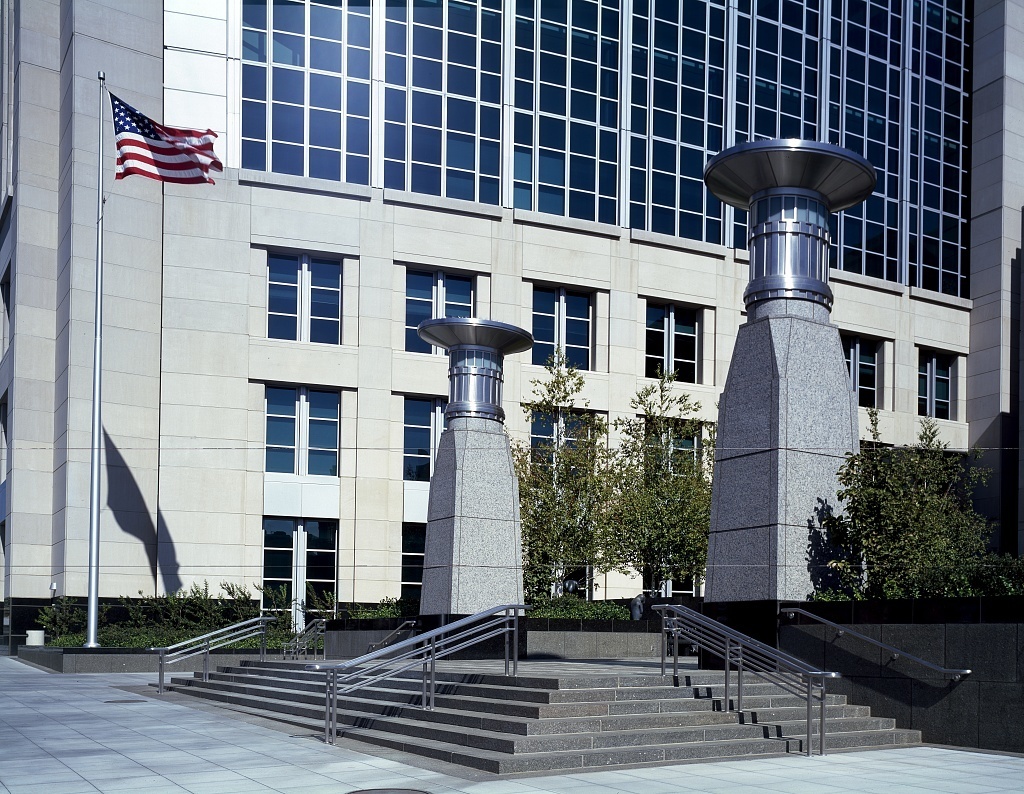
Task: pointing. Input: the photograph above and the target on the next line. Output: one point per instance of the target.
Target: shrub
(575, 608)
(386, 608)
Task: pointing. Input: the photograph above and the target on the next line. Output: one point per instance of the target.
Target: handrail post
(508, 630)
(821, 749)
(727, 706)
(664, 643)
(423, 693)
(334, 706)
(206, 662)
(810, 706)
(515, 642)
(160, 667)
(433, 670)
(739, 679)
(675, 657)
(263, 641)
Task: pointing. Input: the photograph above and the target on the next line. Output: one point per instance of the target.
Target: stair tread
(531, 723)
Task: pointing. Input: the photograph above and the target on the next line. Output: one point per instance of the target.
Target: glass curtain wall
(608, 110)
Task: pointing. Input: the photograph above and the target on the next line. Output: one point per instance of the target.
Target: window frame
(853, 350)
(928, 404)
(305, 289)
(561, 319)
(437, 426)
(668, 358)
(412, 559)
(302, 447)
(299, 550)
(439, 304)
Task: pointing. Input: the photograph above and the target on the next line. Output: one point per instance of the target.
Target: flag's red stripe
(142, 166)
(163, 149)
(193, 180)
(156, 162)
(176, 160)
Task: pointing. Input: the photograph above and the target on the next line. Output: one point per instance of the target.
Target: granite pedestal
(787, 420)
(473, 556)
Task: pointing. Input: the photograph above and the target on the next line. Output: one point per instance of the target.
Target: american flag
(166, 154)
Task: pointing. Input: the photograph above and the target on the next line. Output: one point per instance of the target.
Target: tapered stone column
(788, 416)
(473, 558)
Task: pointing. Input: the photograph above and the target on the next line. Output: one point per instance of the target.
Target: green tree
(564, 482)
(908, 528)
(662, 503)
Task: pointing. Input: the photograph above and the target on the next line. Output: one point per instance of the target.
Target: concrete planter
(122, 660)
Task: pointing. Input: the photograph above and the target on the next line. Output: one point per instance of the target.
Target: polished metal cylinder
(475, 377)
(788, 244)
(476, 355)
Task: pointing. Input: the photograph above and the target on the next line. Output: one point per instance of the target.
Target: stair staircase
(545, 721)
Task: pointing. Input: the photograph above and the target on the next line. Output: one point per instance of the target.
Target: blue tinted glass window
(325, 91)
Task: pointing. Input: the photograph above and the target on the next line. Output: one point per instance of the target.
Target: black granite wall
(985, 635)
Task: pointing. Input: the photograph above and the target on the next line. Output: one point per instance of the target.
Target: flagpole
(97, 371)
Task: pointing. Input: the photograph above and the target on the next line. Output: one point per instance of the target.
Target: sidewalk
(65, 734)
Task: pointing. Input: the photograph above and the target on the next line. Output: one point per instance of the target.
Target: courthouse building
(269, 412)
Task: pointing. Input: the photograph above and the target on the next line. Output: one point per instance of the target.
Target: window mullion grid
(443, 132)
(438, 293)
(932, 383)
(299, 575)
(306, 109)
(670, 338)
(302, 431)
(560, 316)
(305, 299)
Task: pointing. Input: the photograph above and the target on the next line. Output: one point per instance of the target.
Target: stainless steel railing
(310, 637)
(407, 625)
(203, 644)
(422, 650)
(746, 655)
(953, 673)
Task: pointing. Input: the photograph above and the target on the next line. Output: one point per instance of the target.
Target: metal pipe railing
(422, 650)
(407, 625)
(748, 655)
(954, 673)
(310, 636)
(204, 643)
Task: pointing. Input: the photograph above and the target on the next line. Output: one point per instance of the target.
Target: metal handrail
(309, 636)
(423, 650)
(204, 643)
(406, 625)
(748, 655)
(953, 673)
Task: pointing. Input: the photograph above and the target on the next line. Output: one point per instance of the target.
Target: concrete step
(544, 691)
(475, 698)
(525, 736)
(533, 723)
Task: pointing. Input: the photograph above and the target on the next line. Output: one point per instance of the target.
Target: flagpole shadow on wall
(126, 502)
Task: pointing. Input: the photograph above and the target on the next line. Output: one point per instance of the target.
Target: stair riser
(539, 723)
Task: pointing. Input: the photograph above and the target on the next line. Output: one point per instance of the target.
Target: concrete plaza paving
(66, 734)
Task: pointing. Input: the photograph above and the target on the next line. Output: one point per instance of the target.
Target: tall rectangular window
(303, 298)
(671, 343)
(424, 422)
(430, 294)
(442, 98)
(414, 538)
(306, 88)
(935, 384)
(862, 364)
(300, 563)
(302, 430)
(562, 318)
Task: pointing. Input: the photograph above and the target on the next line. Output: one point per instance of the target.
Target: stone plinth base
(787, 420)
(473, 557)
